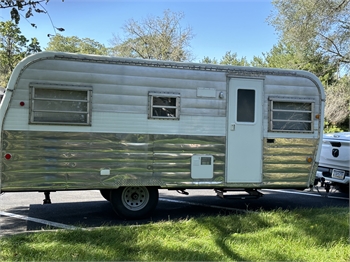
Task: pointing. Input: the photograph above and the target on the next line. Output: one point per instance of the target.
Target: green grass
(297, 235)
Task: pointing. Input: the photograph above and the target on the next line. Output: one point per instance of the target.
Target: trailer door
(244, 134)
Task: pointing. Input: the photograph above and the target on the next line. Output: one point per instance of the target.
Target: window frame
(291, 100)
(34, 86)
(151, 106)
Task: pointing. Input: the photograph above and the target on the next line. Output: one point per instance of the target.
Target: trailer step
(249, 194)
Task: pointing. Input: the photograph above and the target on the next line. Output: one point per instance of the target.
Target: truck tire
(106, 194)
(134, 202)
(343, 188)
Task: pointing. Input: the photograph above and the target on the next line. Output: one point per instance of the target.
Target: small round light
(309, 159)
(8, 156)
(22, 103)
(317, 116)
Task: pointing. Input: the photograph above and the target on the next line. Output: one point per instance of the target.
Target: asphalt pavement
(25, 212)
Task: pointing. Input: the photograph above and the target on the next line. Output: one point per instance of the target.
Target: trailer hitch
(325, 184)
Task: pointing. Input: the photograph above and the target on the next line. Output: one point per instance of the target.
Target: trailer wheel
(134, 202)
(106, 194)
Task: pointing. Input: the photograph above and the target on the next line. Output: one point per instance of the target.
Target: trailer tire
(106, 193)
(134, 202)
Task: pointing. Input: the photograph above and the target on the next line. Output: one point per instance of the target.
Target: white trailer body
(81, 122)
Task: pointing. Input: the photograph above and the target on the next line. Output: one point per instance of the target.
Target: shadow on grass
(123, 243)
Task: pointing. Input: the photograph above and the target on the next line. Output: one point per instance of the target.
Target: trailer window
(246, 105)
(60, 105)
(291, 116)
(164, 106)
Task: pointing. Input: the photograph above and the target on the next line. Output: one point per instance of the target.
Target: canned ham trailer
(129, 127)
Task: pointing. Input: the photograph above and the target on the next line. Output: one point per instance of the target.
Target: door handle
(233, 127)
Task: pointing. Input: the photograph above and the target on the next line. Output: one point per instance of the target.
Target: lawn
(280, 235)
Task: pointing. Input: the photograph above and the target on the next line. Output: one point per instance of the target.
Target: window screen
(164, 105)
(60, 105)
(291, 116)
(245, 105)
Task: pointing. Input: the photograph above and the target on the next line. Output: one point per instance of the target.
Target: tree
(28, 7)
(232, 59)
(259, 61)
(207, 60)
(160, 38)
(319, 31)
(13, 48)
(324, 24)
(337, 108)
(75, 44)
(287, 55)
(228, 59)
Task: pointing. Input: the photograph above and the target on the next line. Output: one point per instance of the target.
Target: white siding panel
(288, 81)
(108, 122)
(295, 91)
(114, 69)
(16, 119)
(92, 78)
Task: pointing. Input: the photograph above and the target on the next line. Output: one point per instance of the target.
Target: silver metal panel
(285, 162)
(125, 89)
(59, 160)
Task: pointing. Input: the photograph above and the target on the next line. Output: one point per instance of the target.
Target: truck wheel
(106, 194)
(343, 188)
(134, 202)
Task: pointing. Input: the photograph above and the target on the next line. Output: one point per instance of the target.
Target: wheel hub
(135, 198)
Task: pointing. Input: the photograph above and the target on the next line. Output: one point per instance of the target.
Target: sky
(219, 26)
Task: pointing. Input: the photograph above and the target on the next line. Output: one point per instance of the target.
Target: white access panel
(202, 166)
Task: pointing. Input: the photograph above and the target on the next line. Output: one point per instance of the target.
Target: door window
(246, 105)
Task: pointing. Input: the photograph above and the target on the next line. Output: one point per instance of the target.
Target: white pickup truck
(335, 161)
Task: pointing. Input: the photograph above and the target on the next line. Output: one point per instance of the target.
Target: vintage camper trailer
(129, 127)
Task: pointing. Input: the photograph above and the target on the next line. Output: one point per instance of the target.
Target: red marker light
(21, 103)
(8, 156)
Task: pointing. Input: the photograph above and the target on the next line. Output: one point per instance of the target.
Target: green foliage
(25, 9)
(259, 62)
(207, 60)
(280, 235)
(314, 36)
(232, 59)
(323, 24)
(13, 48)
(329, 128)
(228, 59)
(75, 44)
(337, 106)
(160, 38)
(288, 56)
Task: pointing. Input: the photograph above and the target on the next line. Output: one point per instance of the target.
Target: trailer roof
(228, 69)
